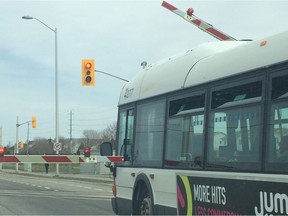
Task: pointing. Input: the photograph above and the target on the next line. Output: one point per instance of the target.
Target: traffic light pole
(17, 139)
(27, 147)
(17, 135)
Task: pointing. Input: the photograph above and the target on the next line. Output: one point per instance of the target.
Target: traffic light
(21, 145)
(87, 152)
(2, 151)
(33, 122)
(88, 72)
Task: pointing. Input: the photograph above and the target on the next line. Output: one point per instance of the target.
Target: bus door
(125, 136)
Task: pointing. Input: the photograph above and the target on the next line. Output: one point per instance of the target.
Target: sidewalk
(107, 178)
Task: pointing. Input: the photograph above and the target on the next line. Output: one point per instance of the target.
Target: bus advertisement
(218, 196)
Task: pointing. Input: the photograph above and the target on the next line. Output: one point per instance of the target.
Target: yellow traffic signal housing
(33, 122)
(21, 145)
(88, 72)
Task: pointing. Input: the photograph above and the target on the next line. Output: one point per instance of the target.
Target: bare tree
(91, 134)
(90, 138)
(40, 146)
(109, 133)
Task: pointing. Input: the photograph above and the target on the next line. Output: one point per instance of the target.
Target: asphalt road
(34, 195)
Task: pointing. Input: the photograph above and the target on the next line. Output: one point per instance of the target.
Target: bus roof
(205, 63)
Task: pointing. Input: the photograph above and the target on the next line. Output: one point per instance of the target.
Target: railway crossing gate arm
(201, 24)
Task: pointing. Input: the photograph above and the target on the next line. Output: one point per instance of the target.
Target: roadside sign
(57, 146)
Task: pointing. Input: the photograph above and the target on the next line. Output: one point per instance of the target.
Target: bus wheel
(146, 206)
(144, 201)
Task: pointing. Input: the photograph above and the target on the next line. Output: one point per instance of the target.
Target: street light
(56, 84)
(56, 78)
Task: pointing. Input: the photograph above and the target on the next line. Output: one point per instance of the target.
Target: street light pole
(17, 142)
(56, 84)
(56, 91)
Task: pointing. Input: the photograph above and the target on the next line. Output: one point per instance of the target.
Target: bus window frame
(239, 80)
(190, 92)
(150, 164)
(125, 108)
(270, 166)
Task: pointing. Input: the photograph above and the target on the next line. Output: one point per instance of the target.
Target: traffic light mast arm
(18, 125)
(27, 122)
(112, 75)
(204, 26)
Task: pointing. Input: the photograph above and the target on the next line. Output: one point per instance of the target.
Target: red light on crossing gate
(190, 11)
(87, 152)
(2, 151)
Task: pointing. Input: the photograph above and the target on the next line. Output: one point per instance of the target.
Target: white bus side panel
(164, 185)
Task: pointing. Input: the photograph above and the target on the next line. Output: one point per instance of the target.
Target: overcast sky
(119, 35)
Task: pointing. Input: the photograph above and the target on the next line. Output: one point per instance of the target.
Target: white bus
(204, 132)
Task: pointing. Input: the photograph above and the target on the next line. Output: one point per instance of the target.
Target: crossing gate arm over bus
(204, 26)
(59, 159)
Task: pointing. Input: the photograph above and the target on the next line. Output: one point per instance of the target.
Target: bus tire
(143, 199)
(145, 203)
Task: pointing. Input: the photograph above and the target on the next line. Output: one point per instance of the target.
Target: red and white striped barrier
(59, 159)
(103, 159)
(198, 22)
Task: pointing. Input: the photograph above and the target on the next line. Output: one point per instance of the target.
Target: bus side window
(279, 130)
(277, 148)
(184, 145)
(234, 126)
(149, 135)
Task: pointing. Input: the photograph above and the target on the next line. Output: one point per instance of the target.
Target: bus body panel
(241, 59)
(146, 83)
(203, 185)
(163, 194)
(125, 182)
(207, 62)
(231, 194)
